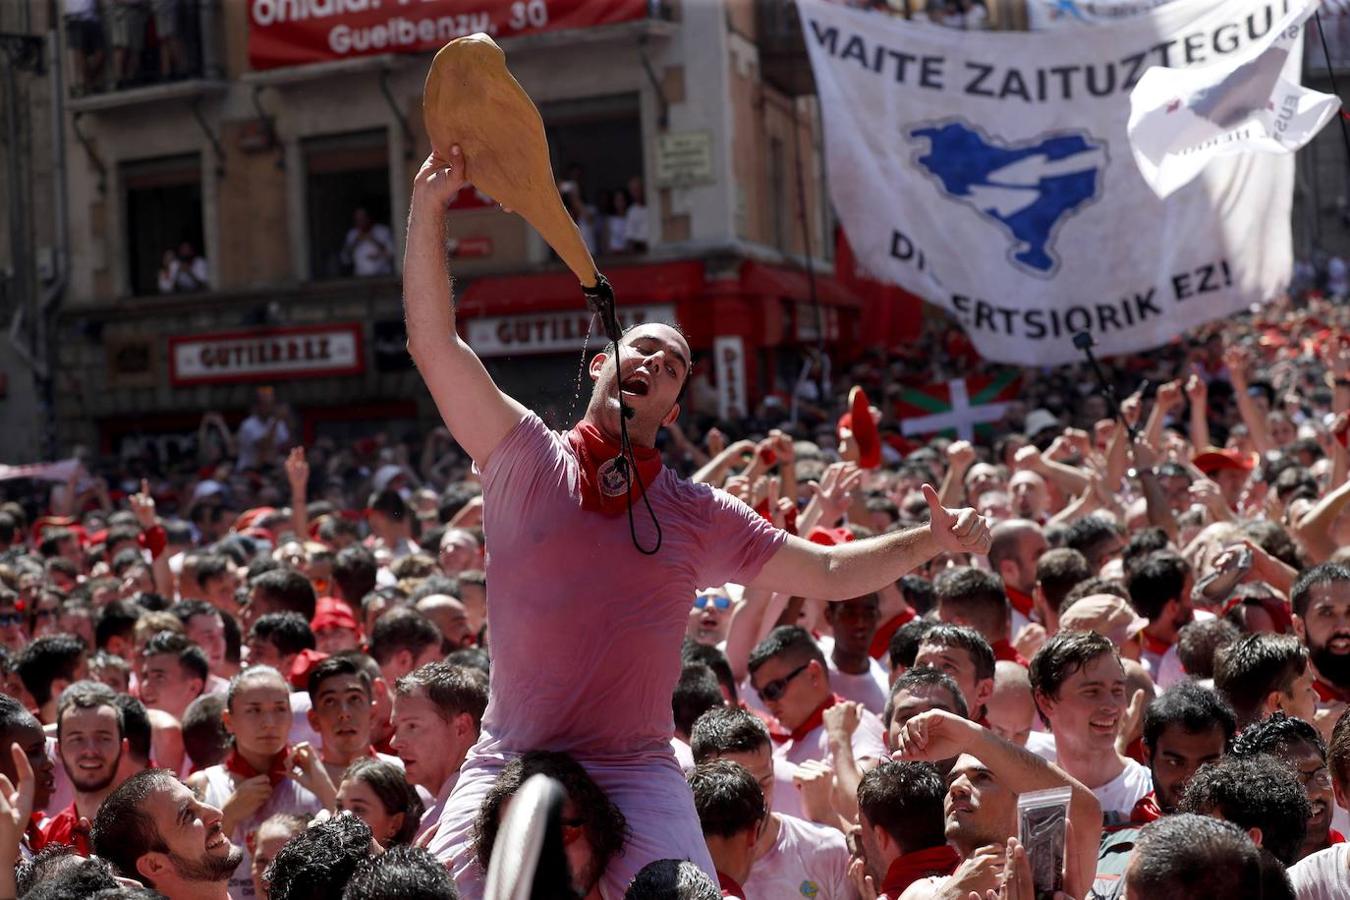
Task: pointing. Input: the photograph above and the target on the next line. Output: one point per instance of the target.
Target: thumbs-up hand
(956, 530)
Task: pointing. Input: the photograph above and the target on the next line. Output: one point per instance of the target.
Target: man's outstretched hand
(956, 530)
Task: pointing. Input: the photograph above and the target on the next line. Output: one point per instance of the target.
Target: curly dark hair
(320, 860)
(605, 825)
(1256, 792)
(1276, 734)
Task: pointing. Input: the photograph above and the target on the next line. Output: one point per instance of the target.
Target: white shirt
(251, 432)
(1121, 793)
(868, 745)
(431, 819)
(870, 689)
(807, 860)
(1325, 875)
(287, 797)
(372, 253)
(635, 223)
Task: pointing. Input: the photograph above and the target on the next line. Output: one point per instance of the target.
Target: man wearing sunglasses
(710, 617)
(789, 672)
(622, 546)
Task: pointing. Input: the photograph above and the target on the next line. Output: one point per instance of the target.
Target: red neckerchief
(1146, 810)
(881, 641)
(276, 771)
(64, 828)
(1156, 646)
(1004, 651)
(909, 868)
(729, 886)
(813, 721)
(33, 835)
(1020, 601)
(1329, 693)
(1335, 837)
(603, 489)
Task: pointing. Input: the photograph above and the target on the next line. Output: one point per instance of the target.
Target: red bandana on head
(237, 765)
(604, 489)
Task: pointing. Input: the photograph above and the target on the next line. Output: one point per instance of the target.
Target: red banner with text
(295, 32)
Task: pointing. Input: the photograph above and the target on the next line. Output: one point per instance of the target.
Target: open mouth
(635, 386)
(217, 841)
(1319, 812)
(1103, 726)
(1340, 644)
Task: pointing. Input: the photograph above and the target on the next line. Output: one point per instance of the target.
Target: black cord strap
(600, 300)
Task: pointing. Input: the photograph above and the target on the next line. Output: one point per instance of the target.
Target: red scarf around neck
(1020, 601)
(911, 867)
(276, 771)
(1151, 644)
(881, 641)
(813, 721)
(604, 489)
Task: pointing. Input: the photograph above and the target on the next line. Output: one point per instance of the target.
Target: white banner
(1182, 119)
(991, 174)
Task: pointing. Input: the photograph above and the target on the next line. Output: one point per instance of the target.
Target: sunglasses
(9, 619)
(778, 687)
(718, 602)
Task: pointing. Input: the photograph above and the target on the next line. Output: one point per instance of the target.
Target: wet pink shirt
(586, 630)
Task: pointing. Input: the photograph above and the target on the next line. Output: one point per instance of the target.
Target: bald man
(1014, 547)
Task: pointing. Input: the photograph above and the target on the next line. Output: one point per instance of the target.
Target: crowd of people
(826, 660)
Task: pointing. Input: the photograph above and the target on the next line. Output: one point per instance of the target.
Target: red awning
(795, 284)
(633, 285)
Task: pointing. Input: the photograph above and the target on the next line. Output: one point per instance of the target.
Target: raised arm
(478, 415)
(937, 735)
(849, 570)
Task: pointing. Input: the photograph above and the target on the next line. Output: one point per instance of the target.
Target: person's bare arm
(1236, 358)
(1165, 402)
(853, 569)
(1314, 528)
(1197, 392)
(297, 473)
(477, 413)
(744, 631)
(715, 469)
(1069, 480)
(1159, 513)
(936, 735)
(960, 457)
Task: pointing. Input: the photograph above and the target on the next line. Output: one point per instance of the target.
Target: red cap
(1212, 461)
(304, 663)
(1280, 614)
(250, 517)
(859, 420)
(829, 536)
(330, 612)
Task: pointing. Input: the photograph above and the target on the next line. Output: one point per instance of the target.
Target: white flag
(1181, 119)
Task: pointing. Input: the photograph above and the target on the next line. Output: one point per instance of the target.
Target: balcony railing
(123, 46)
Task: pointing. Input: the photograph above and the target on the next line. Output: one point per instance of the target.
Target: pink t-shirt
(586, 630)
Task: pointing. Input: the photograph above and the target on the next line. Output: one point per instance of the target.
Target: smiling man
(1184, 728)
(90, 742)
(1300, 747)
(1321, 601)
(155, 830)
(622, 543)
(1079, 686)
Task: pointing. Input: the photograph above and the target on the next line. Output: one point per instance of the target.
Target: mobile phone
(1043, 821)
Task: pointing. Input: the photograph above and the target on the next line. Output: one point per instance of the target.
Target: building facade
(237, 184)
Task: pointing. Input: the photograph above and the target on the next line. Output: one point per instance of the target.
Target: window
(347, 204)
(596, 145)
(164, 225)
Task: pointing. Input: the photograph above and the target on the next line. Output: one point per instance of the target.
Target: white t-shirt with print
(807, 860)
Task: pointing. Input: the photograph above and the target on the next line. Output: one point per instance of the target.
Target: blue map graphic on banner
(1028, 188)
